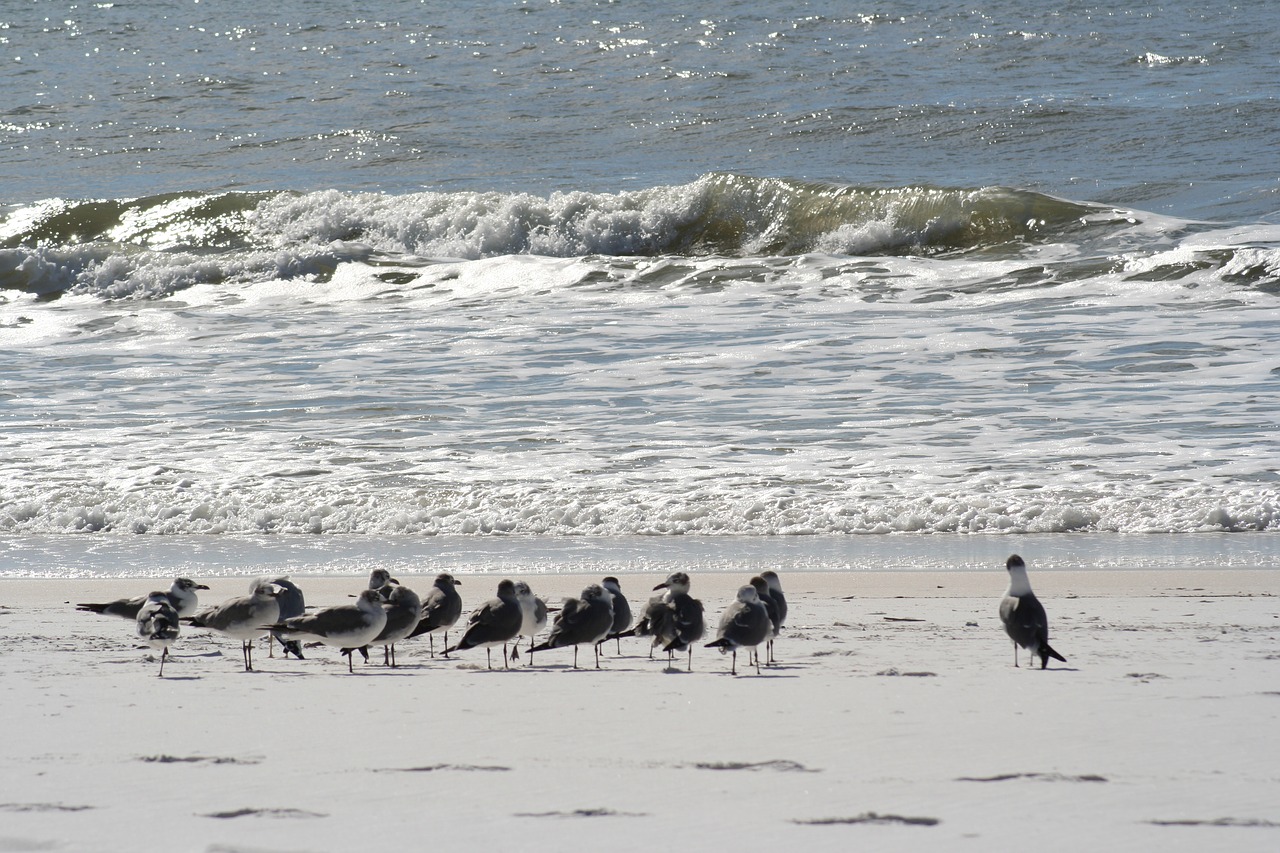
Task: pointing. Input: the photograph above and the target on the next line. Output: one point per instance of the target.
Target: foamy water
(706, 327)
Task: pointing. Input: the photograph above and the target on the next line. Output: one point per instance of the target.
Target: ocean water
(822, 283)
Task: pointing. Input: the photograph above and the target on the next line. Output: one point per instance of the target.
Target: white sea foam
(625, 395)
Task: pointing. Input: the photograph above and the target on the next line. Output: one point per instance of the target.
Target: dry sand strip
(895, 720)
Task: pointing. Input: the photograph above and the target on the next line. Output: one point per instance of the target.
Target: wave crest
(158, 245)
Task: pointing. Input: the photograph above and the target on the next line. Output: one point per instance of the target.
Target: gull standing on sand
(771, 607)
(621, 611)
(653, 620)
(685, 626)
(182, 595)
(1023, 616)
(441, 609)
(745, 623)
(346, 627)
(404, 611)
(586, 619)
(495, 623)
(533, 612)
(244, 618)
(674, 619)
(779, 600)
(292, 603)
(157, 624)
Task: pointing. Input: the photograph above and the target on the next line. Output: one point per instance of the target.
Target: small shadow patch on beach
(893, 670)
(432, 768)
(41, 807)
(582, 813)
(1247, 822)
(273, 813)
(869, 818)
(196, 759)
(1042, 777)
(783, 766)
(1144, 677)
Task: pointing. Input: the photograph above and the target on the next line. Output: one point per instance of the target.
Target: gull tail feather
(1046, 652)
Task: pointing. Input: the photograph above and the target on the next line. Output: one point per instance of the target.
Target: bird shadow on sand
(436, 768)
(581, 813)
(42, 807)
(269, 813)
(1042, 777)
(777, 765)
(869, 818)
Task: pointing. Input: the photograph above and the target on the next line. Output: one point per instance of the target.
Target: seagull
(496, 622)
(1023, 616)
(780, 601)
(440, 609)
(775, 590)
(346, 627)
(586, 619)
(244, 618)
(674, 619)
(379, 578)
(621, 610)
(685, 625)
(404, 611)
(533, 612)
(292, 603)
(655, 611)
(771, 607)
(182, 595)
(745, 623)
(157, 624)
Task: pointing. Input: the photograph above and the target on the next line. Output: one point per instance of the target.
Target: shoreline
(477, 587)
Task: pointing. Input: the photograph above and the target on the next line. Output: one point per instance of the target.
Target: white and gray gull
(1024, 617)
(621, 610)
(346, 627)
(745, 624)
(674, 619)
(404, 612)
(244, 618)
(533, 612)
(182, 595)
(292, 603)
(157, 624)
(441, 609)
(494, 623)
(583, 620)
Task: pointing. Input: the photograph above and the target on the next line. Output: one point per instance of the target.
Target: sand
(894, 721)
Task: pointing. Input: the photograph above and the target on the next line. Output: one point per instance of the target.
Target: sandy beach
(895, 720)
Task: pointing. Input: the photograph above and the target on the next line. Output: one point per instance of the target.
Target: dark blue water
(1168, 108)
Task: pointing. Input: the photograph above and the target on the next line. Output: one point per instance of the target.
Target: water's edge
(229, 556)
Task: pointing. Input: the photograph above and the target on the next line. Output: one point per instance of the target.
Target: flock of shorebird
(387, 613)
